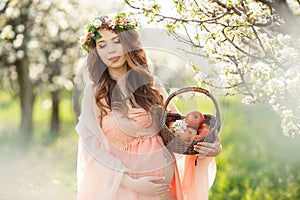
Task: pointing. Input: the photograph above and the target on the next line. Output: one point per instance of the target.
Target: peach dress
(144, 155)
(107, 150)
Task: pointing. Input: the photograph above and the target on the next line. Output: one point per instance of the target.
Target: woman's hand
(209, 149)
(148, 185)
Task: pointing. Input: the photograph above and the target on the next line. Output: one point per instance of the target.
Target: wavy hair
(139, 80)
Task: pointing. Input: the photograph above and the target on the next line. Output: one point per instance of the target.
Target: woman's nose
(111, 48)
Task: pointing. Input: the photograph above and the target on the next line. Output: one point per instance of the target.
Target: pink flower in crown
(97, 23)
(122, 21)
(90, 34)
(82, 40)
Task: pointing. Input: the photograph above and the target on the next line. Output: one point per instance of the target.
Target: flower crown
(119, 22)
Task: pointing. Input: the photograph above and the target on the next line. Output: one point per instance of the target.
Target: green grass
(9, 118)
(257, 161)
(47, 170)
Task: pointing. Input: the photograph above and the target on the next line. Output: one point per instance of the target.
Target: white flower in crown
(119, 22)
(97, 23)
(111, 23)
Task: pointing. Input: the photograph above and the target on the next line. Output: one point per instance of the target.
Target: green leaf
(97, 36)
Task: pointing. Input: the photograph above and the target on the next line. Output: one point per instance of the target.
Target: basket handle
(195, 89)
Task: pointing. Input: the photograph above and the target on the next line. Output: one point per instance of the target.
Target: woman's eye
(117, 41)
(101, 46)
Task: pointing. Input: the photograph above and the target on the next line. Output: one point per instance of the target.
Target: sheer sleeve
(98, 172)
(160, 87)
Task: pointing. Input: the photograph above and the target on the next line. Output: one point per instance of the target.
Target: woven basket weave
(175, 143)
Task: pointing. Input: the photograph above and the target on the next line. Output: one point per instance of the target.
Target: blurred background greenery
(39, 60)
(257, 161)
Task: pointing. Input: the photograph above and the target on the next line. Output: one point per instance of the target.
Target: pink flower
(82, 40)
(122, 21)
(90, 34)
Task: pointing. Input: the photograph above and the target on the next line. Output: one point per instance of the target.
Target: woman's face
(110, 50)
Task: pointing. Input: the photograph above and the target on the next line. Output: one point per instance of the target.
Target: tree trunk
(26, 102)
(55, 124)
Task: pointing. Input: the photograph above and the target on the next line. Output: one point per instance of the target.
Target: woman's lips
(114, 58)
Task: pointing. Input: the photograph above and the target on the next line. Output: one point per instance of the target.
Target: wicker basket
(175, 143)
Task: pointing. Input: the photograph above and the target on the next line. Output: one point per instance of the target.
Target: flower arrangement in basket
(181, 133)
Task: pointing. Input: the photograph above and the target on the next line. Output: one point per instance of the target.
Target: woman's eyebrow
(99, 41)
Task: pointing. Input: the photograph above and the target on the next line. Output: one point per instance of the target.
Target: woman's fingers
(158, 184)
(206, 144)
(204, 151)
(161, 188)
(209, 149)
(154, 178)
(151, 185)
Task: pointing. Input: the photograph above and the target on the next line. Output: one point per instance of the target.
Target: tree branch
(163, 17)
(238, 48)
(233, 59)
(286, 13)
(257, 37)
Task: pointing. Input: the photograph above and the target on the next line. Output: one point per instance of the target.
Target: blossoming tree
(252, 46)
(37, 53)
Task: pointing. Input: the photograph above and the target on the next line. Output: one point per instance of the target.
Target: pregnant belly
(168, 173)
(164, 169)
(168, 170)
(154, 164)
(147, 156)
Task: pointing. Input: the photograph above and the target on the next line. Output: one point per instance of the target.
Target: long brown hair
(139, 80)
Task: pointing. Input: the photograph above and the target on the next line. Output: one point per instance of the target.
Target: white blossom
(20, 54)
(179, 125)
(247, 100)
(287, 113)
(274, 85)
(283, 39)
(199, 77)
(7, 32)
(97, 23)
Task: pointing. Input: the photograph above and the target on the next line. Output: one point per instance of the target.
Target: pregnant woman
(120, 153)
